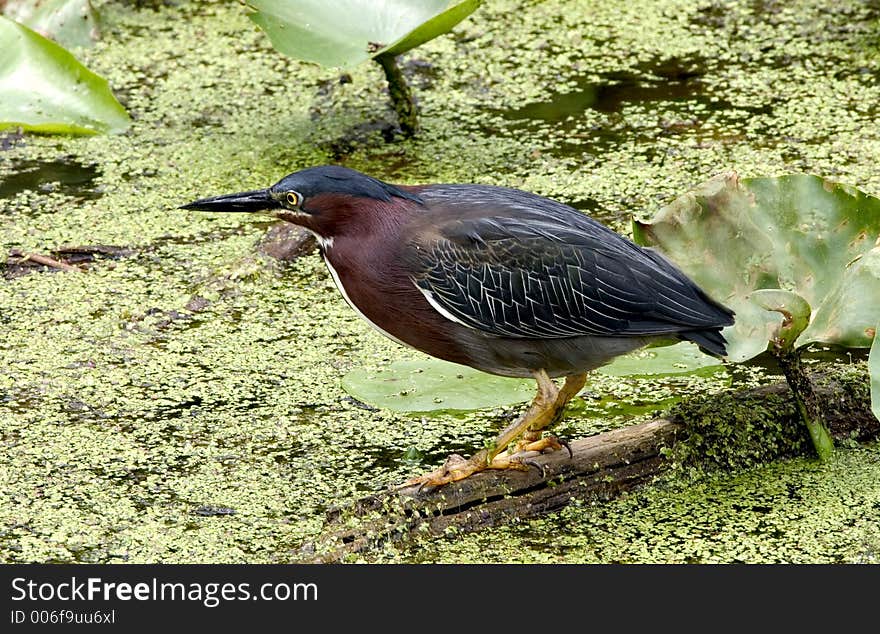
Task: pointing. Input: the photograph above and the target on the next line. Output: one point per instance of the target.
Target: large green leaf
(431, 384)
(68, 22)
(874, 370)
(681, 358)
(848, 313)
(799, 233)
(347, 32)
(45, 89)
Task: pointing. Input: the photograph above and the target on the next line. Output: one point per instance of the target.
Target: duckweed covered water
(193, 375)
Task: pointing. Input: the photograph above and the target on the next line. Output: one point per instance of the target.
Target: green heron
(502, 280)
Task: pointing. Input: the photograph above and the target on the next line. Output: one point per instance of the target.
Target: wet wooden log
(600, 467)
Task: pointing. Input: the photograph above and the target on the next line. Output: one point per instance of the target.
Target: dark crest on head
(334, 179)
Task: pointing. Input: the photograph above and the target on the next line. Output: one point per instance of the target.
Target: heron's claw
(564, 442)
(537, 465)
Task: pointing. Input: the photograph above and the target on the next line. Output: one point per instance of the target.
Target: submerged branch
(809, 405)
(401, 95)
(44, 260)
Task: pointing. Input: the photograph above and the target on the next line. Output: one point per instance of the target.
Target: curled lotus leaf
(345, 33)
(797, 233)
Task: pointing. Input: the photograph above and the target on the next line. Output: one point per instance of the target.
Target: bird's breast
(340, 285)
(383, 294)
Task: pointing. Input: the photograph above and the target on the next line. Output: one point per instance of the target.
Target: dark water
(66, 176)
(674, 89)
(668, 80)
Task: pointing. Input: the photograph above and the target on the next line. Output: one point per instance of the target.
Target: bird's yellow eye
(292, 199)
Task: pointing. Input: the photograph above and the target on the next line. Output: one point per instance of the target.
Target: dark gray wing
(515, 264)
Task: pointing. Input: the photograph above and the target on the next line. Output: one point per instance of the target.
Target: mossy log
(730, 430)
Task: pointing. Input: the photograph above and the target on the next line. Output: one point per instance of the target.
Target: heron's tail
(710, 340)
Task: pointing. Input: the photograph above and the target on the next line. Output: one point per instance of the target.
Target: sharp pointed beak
(256, 200)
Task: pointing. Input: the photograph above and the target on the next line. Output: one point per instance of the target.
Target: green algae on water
(125, 406)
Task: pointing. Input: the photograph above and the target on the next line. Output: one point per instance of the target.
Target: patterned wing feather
(517, 265)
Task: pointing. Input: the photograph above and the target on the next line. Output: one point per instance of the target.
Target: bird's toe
(543, 445)
(457, 468)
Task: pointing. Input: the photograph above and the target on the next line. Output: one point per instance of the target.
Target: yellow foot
(541, 445)
(457, 468)
(546, 407)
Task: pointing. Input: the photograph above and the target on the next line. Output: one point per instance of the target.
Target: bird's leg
(531, 439)
(539, 414)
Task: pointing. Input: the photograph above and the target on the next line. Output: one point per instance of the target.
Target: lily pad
(681, 358)
(799, 233)
(432, 384)
(847, 315)
(347, 32)
(45, 89)
(68, 22)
